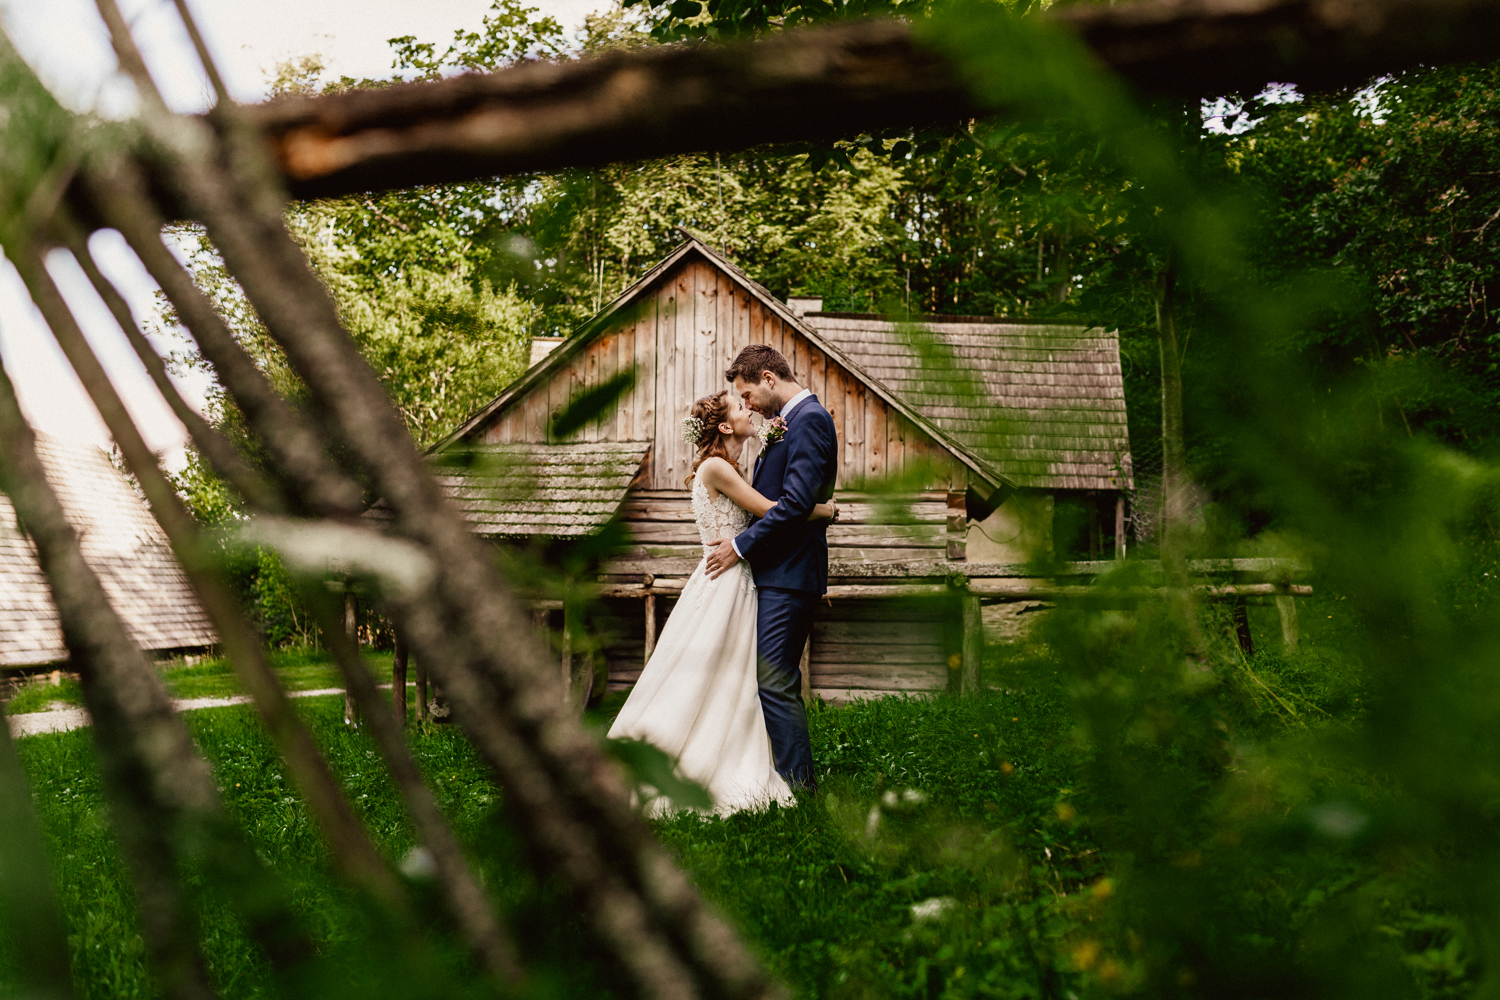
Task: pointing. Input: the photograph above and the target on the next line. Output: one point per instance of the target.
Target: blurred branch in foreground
(820, 84)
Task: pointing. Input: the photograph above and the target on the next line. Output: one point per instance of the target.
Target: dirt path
(63, 719)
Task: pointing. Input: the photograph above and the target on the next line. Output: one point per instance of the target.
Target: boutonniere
(772, 430)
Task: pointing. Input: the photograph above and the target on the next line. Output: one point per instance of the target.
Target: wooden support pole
(1120, 526)
(1096, 526)
(973, 645)
(806, 668)
(398, 680)
(567, 655)
(650, 603)
(424, 710)
(1286, 607)
(351, 629)
(1241, 615)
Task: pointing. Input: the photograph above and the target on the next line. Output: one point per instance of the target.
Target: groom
(787, 553)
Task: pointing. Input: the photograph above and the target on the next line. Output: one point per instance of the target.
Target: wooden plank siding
(688, 329)
(661, 526)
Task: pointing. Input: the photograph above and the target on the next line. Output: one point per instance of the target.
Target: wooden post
(398, 681)
(1096, 528)
(806, 668)
(650, 627)
(567, 655)
(973, 645)
(1120, 526)
(351, 628)
(1241, 615)
(424, 713)
(1286, 607)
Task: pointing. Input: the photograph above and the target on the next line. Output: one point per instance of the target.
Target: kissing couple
(722, 693)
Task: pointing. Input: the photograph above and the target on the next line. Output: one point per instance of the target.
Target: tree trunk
(1062, 269)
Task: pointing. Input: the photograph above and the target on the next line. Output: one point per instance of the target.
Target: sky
(66, 43)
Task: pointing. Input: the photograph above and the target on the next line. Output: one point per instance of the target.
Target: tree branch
(822, 84)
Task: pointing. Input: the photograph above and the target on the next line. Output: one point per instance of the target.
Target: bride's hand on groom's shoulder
(720, 558)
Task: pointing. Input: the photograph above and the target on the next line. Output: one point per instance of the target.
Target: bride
(698, 700)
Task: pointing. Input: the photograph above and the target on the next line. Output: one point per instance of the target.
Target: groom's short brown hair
(757, 358)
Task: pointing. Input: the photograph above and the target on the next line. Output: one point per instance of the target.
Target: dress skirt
(698, 700)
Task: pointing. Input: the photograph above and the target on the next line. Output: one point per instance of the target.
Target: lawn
(927, 857)
(299, 669)
(954, 850)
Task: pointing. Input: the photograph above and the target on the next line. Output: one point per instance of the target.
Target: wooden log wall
(864, 647)
(681, 336)
(661, 526)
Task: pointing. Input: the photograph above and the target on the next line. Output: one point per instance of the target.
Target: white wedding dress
(698, 699)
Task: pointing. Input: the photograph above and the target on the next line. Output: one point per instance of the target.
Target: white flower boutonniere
(771, 431)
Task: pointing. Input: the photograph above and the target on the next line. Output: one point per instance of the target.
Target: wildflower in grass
(932, 909)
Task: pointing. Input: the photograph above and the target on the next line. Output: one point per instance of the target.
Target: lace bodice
(717, 519)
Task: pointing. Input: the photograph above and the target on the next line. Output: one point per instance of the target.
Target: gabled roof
(123, 545)
(550, 490)
(621, 306)
(1050, 399)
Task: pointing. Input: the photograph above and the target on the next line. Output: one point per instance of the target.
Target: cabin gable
(681, 331)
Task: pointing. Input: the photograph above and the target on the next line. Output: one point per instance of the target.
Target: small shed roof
(1050, 406)
(552, 490)
(123, 545)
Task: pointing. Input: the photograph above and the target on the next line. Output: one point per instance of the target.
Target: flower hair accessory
(692, 429)
(772, 430)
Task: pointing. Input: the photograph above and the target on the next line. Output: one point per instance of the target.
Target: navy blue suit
(788, 555)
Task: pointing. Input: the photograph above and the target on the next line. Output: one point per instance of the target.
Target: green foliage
(442, 341)
(509, 34)
(41, 695)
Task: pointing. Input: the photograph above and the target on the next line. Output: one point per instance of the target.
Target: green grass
(823, 891)
(299, 669)
(41, 695)
(978, 812)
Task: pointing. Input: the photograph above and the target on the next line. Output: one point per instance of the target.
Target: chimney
(542, 346)
(801, 306)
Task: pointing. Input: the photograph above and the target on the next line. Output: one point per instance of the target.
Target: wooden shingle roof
(123, 545)
(523, 490)
(1045, 404)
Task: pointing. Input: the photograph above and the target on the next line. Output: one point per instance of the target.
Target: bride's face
(737, 419)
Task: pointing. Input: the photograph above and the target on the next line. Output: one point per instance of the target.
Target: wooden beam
(806, 668)
(424, 707)
(567, 655)
(1286, 608)
(650, 613)
(617, 106)
(1241, 617)
(824, 83)
(1119, 526)
(973, 653)
(351, 629)
(398, 680)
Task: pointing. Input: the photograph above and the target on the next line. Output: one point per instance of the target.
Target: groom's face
(759, 396)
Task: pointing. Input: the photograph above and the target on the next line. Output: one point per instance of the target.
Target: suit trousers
(782, 625)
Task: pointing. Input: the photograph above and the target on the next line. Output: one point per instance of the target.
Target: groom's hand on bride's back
(720, 558)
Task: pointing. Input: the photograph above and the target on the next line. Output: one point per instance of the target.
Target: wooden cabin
(988, 425)
(123, 545)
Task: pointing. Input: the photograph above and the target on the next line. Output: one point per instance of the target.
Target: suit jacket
(784, 548)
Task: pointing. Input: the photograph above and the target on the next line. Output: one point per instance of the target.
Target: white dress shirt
(786, 412)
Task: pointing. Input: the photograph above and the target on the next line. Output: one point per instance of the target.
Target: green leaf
(685, 9)
(591, 405)
(649, 766)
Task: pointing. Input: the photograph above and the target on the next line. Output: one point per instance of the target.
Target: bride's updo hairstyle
(709, 412)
